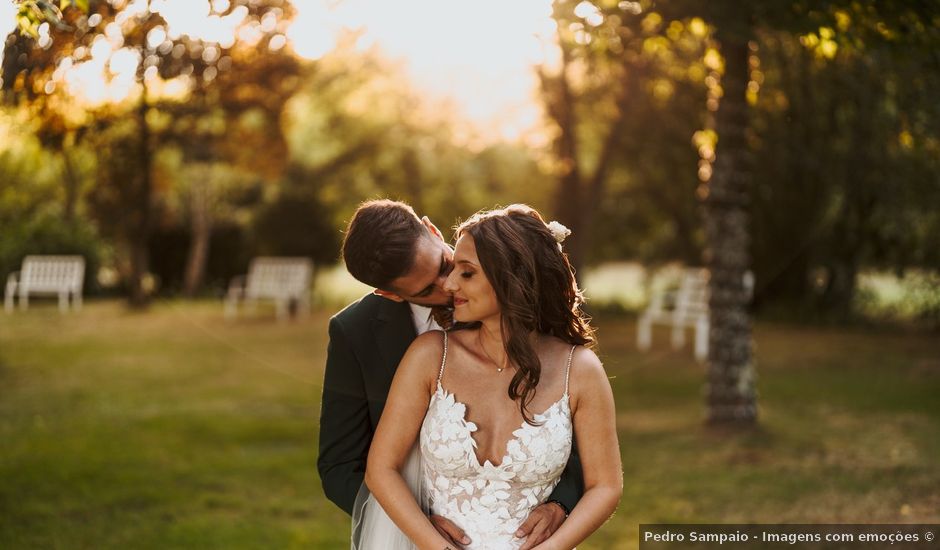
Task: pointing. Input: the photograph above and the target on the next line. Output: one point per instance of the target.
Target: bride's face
(474, 297)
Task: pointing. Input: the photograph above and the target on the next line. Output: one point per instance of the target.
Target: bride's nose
(450, 284)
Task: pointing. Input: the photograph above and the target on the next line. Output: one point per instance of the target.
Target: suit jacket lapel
(394, 331)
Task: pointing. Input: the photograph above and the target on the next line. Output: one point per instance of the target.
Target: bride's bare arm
(395, 436)
(595, 430)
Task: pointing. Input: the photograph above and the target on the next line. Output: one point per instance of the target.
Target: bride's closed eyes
(466, 274)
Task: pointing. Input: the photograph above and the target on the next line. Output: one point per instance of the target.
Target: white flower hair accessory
(559, 231)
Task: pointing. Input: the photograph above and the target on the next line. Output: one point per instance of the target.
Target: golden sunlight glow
(313, 31)
(109, 75)
(194, 18)
(479, 55)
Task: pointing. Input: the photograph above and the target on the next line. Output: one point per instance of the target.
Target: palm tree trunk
(730, 393)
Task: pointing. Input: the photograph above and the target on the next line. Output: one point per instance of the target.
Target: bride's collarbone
(465, 349)
(486, 396)
(465, 366)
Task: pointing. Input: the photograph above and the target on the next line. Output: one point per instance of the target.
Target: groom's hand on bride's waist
(449, 531)
(542, 522)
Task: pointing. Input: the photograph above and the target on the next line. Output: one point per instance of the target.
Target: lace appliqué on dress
(490, 501)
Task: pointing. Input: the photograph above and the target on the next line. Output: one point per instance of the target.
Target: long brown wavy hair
(535, 287)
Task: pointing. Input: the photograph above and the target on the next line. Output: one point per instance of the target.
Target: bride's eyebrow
(468, 262)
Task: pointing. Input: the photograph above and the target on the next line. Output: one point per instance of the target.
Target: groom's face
(424, 282)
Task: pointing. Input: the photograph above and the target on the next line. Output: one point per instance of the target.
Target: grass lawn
(174, 429)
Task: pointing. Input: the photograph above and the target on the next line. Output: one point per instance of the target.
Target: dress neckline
(444, 394)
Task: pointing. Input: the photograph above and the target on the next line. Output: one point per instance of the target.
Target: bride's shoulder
(424, 355)
(462, 337)
(427, 344)
(582, 356)
(587, 373)
(431, 344)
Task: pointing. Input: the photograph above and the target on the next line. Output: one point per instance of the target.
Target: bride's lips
(459, 301)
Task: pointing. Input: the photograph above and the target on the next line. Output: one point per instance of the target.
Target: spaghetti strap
(567, 370)
(440, 373)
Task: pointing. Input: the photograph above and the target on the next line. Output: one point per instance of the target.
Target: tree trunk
(730, 392)
(851, 231)
(198, 256)
(71, 186)
(140, 236)
(568, 199)
(578, 196)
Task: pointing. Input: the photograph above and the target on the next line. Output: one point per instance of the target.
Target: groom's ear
(432, 228)
(388, 295)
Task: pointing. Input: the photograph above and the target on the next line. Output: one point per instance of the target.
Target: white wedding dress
(372, 529)
(488, 501)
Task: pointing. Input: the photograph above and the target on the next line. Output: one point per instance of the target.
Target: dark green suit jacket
(367, 341)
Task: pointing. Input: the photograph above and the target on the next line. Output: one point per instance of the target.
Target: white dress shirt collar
(421, 316)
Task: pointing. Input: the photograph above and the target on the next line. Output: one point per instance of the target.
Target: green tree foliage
(296, 224)
(847, 131)
(27, 179)
(357, 130)
(49, 234)
(28, 65)
(825, 97)
(842, 134)
(226, 107)
(251, 131)
(626, 100)
(840, 141)
(31, 14)
(30, 217)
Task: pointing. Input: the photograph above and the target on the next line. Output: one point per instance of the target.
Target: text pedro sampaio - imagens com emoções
(791, 538)
(829, 536)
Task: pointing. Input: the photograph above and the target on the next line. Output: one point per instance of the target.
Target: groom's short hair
(380, 242)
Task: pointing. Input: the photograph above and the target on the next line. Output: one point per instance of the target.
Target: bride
(480, 420)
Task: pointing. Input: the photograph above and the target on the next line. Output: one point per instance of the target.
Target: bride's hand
(449, 531)
(542, 522)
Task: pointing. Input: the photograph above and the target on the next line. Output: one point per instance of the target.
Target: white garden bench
(682, 308)
(47, 275)
(283, 280)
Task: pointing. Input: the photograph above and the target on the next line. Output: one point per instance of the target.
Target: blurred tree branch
(31, 14)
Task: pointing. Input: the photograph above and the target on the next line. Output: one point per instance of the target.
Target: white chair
(283, 280)
(60, 276)
(682, 308)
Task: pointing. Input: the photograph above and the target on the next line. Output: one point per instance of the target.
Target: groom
(406, 259)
